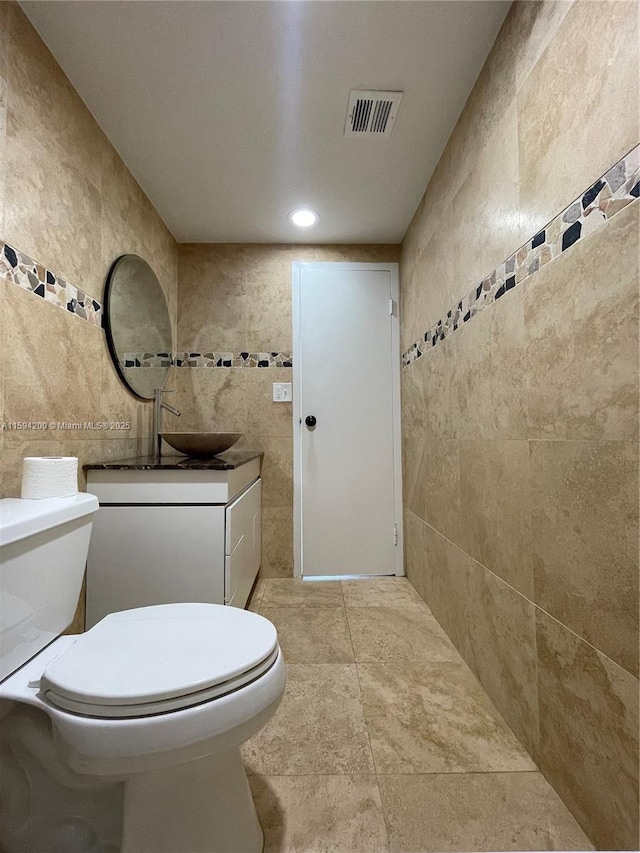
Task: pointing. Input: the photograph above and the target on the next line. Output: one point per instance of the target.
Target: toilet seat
(158, 659)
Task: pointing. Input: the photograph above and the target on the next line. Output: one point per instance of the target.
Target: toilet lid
(160, 658)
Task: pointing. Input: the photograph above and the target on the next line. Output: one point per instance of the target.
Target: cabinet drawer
(240, 516)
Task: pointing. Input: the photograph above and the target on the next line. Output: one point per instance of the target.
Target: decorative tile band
(28, 274)
(614, 191)
(207, 359)
(146, 359)
(20, 269)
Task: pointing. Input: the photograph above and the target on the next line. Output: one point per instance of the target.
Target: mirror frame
(107, 323)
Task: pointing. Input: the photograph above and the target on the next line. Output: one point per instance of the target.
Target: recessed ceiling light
(303, 217)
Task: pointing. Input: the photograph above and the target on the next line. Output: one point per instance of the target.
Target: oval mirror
(138, 326)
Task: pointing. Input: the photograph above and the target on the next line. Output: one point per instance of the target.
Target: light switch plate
(282, 392)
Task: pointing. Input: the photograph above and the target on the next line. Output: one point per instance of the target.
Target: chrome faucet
(158, 405)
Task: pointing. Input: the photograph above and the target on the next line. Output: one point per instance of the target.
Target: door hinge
(391, 307)
(395, 534)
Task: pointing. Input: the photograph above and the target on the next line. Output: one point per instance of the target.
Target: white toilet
(125, 738)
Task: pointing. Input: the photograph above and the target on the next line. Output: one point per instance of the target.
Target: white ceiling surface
(230, 114)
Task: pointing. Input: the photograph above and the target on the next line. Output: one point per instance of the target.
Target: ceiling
(231, 114)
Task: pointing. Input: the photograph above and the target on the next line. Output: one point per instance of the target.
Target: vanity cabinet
(173, 534)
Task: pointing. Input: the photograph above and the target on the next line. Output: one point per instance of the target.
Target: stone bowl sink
(201, 444)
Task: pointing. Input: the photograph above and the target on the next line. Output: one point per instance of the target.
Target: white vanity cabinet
(173, 534)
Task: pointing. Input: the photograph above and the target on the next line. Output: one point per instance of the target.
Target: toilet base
(203, 806)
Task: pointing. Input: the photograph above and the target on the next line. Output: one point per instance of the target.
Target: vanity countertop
(227, 461)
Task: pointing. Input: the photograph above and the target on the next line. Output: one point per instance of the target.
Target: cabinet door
(143, 555)
(243, 545)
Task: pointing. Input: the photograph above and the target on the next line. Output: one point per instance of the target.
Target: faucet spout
(171, 409)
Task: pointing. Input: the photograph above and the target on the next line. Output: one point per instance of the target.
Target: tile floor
(384, 740)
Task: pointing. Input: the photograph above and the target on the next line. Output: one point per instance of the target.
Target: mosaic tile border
(23, 271)
(28, 274)
(611, 193)
(207, 359)
(617, 188)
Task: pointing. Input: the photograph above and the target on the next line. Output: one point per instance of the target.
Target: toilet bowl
(126, 737)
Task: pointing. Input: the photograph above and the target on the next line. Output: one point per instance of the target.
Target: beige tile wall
(527, 425)
(68, 201)
(520, 431)
(237, 298)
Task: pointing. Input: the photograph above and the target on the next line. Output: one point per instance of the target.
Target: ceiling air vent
(371, 113)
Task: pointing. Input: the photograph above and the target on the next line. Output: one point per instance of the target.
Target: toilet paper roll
(49, 477)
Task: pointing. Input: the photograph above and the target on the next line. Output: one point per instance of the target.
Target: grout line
(313, 775)
(528, 600)
(408, 775)
(387, 822)
(366, 723)
(364, 715)
(264, 586)
(399, 773)
(463, 772)
(353, 650)
(552, 439)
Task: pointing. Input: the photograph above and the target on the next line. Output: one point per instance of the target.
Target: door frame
(392, 268)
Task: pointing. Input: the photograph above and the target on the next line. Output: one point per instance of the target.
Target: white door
(347, 488)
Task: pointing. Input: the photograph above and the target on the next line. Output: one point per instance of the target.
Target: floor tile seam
(406, 605)
(386, 820)
(418, 662)
(366, 724)
(381, 775)
(315, 775)
(355, 655)
(260, 586)
(368, 774)
(258, 602)
(353, 652)
(431, 773)
(532, 603)
(556, 439)
(325, 664)
(304, 606)
(458, 662)
(393, 770)
(265, 586)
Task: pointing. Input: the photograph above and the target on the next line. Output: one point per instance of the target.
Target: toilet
(125, 738)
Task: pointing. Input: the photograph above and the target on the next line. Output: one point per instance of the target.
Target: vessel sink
(201, 444)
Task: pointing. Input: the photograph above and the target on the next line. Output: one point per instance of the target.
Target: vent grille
(371, 113)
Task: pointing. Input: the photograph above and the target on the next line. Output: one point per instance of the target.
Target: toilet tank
(43, 552)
